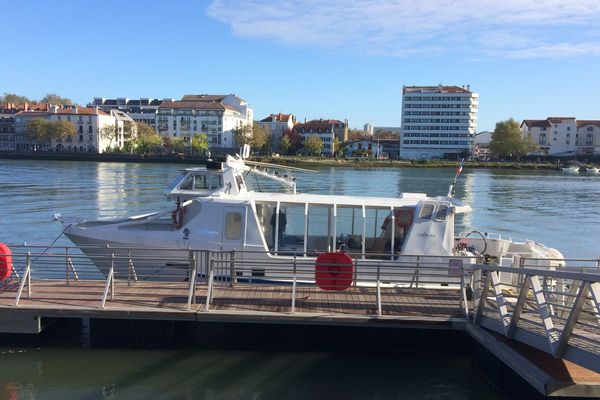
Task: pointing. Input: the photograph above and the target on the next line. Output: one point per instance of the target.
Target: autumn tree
(109, 132)
(261, 139)
(290, 141)
(313, 145)
(54, 99)
(36, 129)
(60, 130)
(507, 140)
(178, 144)
(14, 98)
(146, 139)
(199, 143)
(242, 134)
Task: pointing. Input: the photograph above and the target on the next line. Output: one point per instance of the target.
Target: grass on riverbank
(368, 163)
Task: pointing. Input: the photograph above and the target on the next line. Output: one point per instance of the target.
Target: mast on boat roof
(452, 189)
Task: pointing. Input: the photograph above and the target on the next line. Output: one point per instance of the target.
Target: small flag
(460, 167)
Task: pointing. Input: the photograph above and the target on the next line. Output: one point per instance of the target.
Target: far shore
(298, 161)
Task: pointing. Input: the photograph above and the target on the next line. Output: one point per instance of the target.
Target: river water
(558, 210)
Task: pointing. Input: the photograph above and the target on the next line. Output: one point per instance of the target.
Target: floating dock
(535, 329)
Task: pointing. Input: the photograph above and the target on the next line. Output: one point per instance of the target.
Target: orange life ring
(334, 271)
(5, 262)
(177, 217)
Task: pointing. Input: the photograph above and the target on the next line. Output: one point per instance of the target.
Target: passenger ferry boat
(215, 210)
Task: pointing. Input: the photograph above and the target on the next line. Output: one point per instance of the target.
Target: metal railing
(556, 311)
(373, 285)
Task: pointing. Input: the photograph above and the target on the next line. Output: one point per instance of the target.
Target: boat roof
(404, 200)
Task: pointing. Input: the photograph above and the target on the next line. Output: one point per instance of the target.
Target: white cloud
(485, 28)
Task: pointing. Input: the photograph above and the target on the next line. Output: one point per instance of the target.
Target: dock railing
(553, 309)
(556, 311)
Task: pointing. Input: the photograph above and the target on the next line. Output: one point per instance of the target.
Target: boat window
(233, 226)
(441, 213)
(319, 228)
(375, 241)
(349, 228)
(215, 181)
(177, 181)
(426, 211)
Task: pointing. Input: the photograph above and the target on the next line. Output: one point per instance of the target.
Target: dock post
(378, 290)
(193, 275)
(294, 288)
(210, 284)
(110, 282)
(232, 277)
(25, 281)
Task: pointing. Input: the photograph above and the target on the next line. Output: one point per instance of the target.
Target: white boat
(572, 170)
(593, 171)
(216, 211)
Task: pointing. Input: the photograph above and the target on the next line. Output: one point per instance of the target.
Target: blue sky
(335, 59)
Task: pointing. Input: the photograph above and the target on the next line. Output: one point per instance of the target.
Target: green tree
(146, 138)
(285, 144)
(60, 130)
(508, 142)
(36, 129)
(109, 132)
(242, 135)
(178, 144)
(261, 140)
(199, 143)
(54, 99)
(313, 145)
(13, 98)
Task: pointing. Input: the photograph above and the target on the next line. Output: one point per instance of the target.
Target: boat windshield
(311, 229)
(202, 181)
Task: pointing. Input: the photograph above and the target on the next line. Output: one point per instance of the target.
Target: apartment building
(437, 121)
(214, 115)
(275, 125)
(563, 136)
(326, 130)
(140, 110)
(88, 122)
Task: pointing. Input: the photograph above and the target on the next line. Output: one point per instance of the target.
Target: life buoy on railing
(177, 217)
(334, 271)
(5, 262)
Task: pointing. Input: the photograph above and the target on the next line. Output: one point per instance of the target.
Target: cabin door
(234, 228)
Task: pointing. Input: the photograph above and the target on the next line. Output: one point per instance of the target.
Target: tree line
(50, 98)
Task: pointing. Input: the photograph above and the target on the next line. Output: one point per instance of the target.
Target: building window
(590, 129)
(90, 129)
(542, 138)
(81, 138)
(80, 129)
(589, 139)
(568, 140)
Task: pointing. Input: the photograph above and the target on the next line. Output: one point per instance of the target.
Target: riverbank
(292, 161)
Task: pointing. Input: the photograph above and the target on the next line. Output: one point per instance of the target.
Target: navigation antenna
(452, 189)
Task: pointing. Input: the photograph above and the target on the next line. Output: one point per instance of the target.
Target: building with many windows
(326, 130)
(275, 125)
(140, 110)
(214, 115)
(563, 136)
(437, 121)
(88, 122)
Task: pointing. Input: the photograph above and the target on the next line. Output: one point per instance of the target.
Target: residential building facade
(437, 121)
(563, 136)
(481, 150)
(373, 148)
(326, 130)
(275, 125)
(140, 110)
(214, 115)
(88, 122)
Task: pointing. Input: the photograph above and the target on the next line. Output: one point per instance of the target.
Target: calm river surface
(551, 208)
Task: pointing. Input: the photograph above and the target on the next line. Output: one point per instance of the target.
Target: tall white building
(214, 115)
(437, 121)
